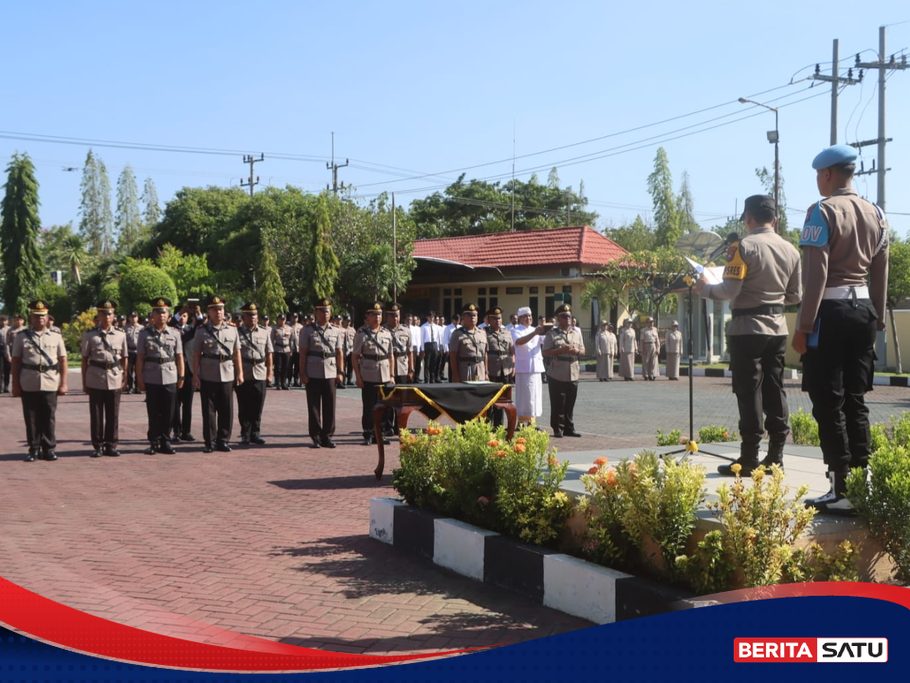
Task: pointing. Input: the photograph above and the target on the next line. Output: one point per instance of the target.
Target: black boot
(834, 502)
(748, 464)
(775, 456)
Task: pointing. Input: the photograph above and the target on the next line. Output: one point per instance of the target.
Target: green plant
(760, 528)
(804, 428)
(814, 564)
(900, 430)
(671, 438)
(473, 473)
(141, 283)
(714, 434)
(72, 332)
(881, 499)
(878, 438)
(648, 504)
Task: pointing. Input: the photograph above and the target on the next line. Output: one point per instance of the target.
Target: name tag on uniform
(736, 267)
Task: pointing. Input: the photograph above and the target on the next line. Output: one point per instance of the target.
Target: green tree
(189, 272)
(606, 290)
(270, 293)
(96, 224)
(325, 263)
(634, 237)
(151, 212)
(19, 226)
(143, 282)
(660, 187)
(898, 287)
(198, 219)
(128, 219)
(685, 207)
(767, 181)
(649, 275)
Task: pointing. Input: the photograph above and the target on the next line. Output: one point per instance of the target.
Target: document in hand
(714, 275)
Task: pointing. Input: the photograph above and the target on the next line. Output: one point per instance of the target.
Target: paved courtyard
(272, 542)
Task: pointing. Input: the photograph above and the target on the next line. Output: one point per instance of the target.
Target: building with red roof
(536, 268)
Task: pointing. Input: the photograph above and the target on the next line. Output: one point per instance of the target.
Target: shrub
(648, 505)
(760, 527)
(142, 283)
(671, 438)
(804, 429)
(473, 473)
(72, 332)
(881, 499)
(814, 564)
(714, 434)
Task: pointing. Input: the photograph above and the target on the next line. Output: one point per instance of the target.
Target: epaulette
(262, 327)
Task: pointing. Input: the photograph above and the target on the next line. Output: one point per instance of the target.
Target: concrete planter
(556, 580)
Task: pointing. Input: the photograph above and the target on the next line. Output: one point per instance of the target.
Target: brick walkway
(273, 542)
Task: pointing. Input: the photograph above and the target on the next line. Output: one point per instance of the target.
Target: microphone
(732, 238)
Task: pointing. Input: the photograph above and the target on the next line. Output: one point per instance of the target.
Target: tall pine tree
(128, 220)
(660, 187)
(151, 214)
(19, 226)
(325, 262)
(96, 224)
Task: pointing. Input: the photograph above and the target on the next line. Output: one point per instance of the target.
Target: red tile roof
(576, 245)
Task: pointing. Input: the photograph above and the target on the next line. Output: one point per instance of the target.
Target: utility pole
(394, 253)
(835, 79)
(334, 168)
(883, 66)
(252, 161)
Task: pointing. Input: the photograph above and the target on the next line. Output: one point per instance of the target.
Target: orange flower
(412, 439)
(433, 431)
(600, 462)
(726, 435)
(552, 462)
(520, 448)
(611, 478)
(521, 440)
(500, 454)
(594, 470)
(493, 444)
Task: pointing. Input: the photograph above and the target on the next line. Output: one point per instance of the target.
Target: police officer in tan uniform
(294, 366)
(217, 368)
(403, 363)
(845, 280)
(159, 373)
(762, 276)
(674, 351)
(17, 326)
(105, 357)
(321, 366)
(563, 345)
(132, 330)
(372, 357)
(605, 344)
(5, 355)
(256, 356)
(650, 347)
(468, 349)
(39, 375)
(283, 341)
(500, 358)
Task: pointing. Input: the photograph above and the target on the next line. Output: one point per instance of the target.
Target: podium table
(460, 402)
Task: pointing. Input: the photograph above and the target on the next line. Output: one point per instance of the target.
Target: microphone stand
(692, 445)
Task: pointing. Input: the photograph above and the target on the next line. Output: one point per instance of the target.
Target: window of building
(532, 290)
(567, 289)
(515, 290)
(550, 289)
(481, 291)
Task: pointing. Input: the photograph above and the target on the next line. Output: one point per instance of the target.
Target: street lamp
(773, 137)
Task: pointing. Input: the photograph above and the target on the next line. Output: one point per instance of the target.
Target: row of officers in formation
(169, 359)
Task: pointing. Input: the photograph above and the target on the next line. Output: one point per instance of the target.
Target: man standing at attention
(160, 373)
(674, 351)
(256, 356)
(104, 363)
(650, 356)
(845, 278)
(563, 346)
(217, 368)
(372, 358)
(38, 371)
(627, 349)
(605, 342)
(762, 276)
(132, 330)
(321, 366)
(468, 349)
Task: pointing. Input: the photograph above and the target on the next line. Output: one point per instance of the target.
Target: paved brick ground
(273, 542)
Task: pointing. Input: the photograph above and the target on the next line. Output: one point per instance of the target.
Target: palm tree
(75, 255)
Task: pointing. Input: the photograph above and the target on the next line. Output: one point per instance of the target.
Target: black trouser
(368, 397)
(4, 373)
(443, 364)
(757, 364)
(294, 369)
(418, 361)
(217, 411)
(131, 371)
(562, 405)
(348, 370)
(183, 410)
(282, 369)
(496, 415)
(837, 374)
(430, 363)
(40, 411)
(320, 402)
(250, 401)
(104, 416)
(160, 402)
(388, 419)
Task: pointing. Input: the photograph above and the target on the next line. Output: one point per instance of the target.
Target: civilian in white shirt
(528, 395)
(430, 339)
(414, 327)
(446, 336)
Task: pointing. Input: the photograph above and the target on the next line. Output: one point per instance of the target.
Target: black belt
(254, 361)
(217, 356)
(470, 359)
(767, 309)
(566, 359)
(372, 356)
(160, 360)
(319, 354)
(105, 365)
(497, 354)
(39, 368)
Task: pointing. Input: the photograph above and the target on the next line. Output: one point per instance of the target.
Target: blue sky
(427, 89)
